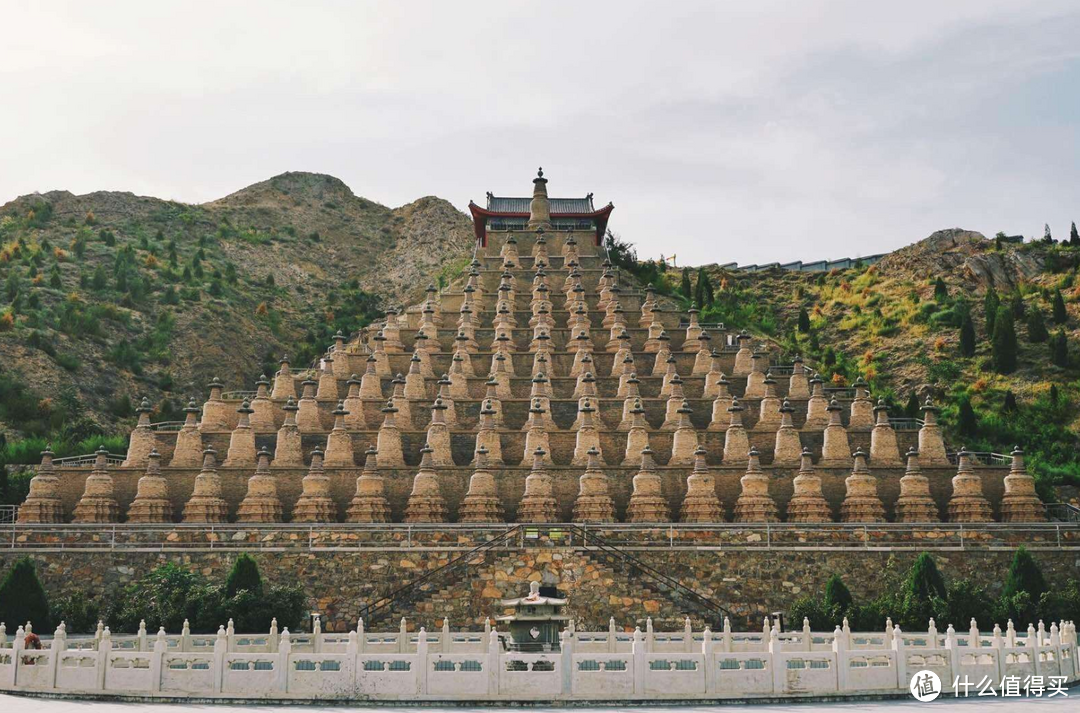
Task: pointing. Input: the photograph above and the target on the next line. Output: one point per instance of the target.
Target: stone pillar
(328, 389)
(98, 502)
(647, 503)
(369, 504)
(1020, 502)
(788, 446)
(754, 503)
(674, 403)
(206, 503)
(701, 503)
(931, 442)
(43, 503)
(241, 441)
(355, 419)
(744, 357)
(307, 415)
(817, 413)
(288, 448)
(588, 437)
(315, 503)
(720, 418)
(341, 358)
(261, 504)
(685, 440)
(807, 503)
(713, 378)
(835, 450)
(883, 448)
(415, 388)
(539, 207)
(536, 432)
(438, 436)
(915, 503)
(388, 442)
(142, 439)
(538, 504)
(769, 408)
(637, 437)
(862, 408)
(481, 503)
(426, 503)
(339, 445)
(187, 453)
(371, 382)
(262, 408)
(486, 435)
(755, 380)
(594, 503)
(798, 384)
(151, 503)
(284, 388)
(967, 503)
(736, 442)
(861, 503)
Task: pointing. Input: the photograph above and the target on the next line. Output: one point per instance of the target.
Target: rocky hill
(109, 297)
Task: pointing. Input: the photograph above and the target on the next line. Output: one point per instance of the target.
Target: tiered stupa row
(541, 360)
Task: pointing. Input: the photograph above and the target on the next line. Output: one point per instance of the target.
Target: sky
(742, 131)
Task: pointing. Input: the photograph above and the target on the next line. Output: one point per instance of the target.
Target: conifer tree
(990, 308)
(837, 595)
(1074, 237)
(1010, 402)
(1036, 327)
(686, 288)
(1003, 347)
(967, 337)
(967, 421)
(1059, 349)
(1047, 237)
(1060, 314)
(941, 290)
(22, 598)
(1024, 576)
(244, 575)
(804, 320)
(911, 409)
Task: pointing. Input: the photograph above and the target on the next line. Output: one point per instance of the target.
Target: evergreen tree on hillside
(1016, 304)
(1036, 327)
(1004, 347)
(22, 598)
(941, 290)
(804, 320)
(924, 580)
(1059, 349)
(686, 288)
(967, 422)
(837, 595)
(990, 307)
(703, 289)
(967, 337)
(1074, 237)
(1060, 314)
(1047, 237)
(244, 575)
(912, 408)
(1024, 576)
(1010, 402)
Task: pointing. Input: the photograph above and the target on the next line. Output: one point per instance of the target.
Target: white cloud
(735, 131)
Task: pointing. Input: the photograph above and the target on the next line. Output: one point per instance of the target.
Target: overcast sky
(749, 131)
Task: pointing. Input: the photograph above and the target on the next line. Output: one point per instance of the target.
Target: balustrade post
(493, 663)
(567, 663)
(807, 637)
(353, 649)
(56, 648)
(360, 637)
(688, 636)
(284, 650)
(444, 638)
(272, 640)
(710, 660)
(221, 647)
(901, 658)
(142, 636)
(611, 635)
(230, 637)
(185, 637)
(316, 635)
(1032, 645)
(839, 646)
(954, 652)
(775, 659)
(638, 663)
(16, 649)
(422, 661)
(999, 651)
(104, 649)
(403, 638)
(157, 660)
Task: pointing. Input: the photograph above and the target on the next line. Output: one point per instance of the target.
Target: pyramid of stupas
(544, 376)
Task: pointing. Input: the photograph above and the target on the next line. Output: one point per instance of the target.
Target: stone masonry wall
(340, 584)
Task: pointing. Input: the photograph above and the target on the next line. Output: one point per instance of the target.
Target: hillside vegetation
(922, 321)
(108, 297)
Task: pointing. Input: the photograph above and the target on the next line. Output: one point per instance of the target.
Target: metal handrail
(167, 425)
(1063, 512)
(85, 460)
(653, 574)
(9, 514)
(371, 613)
(982, 457)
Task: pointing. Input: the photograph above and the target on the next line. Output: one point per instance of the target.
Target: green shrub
(23, 599)
(244, 575)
